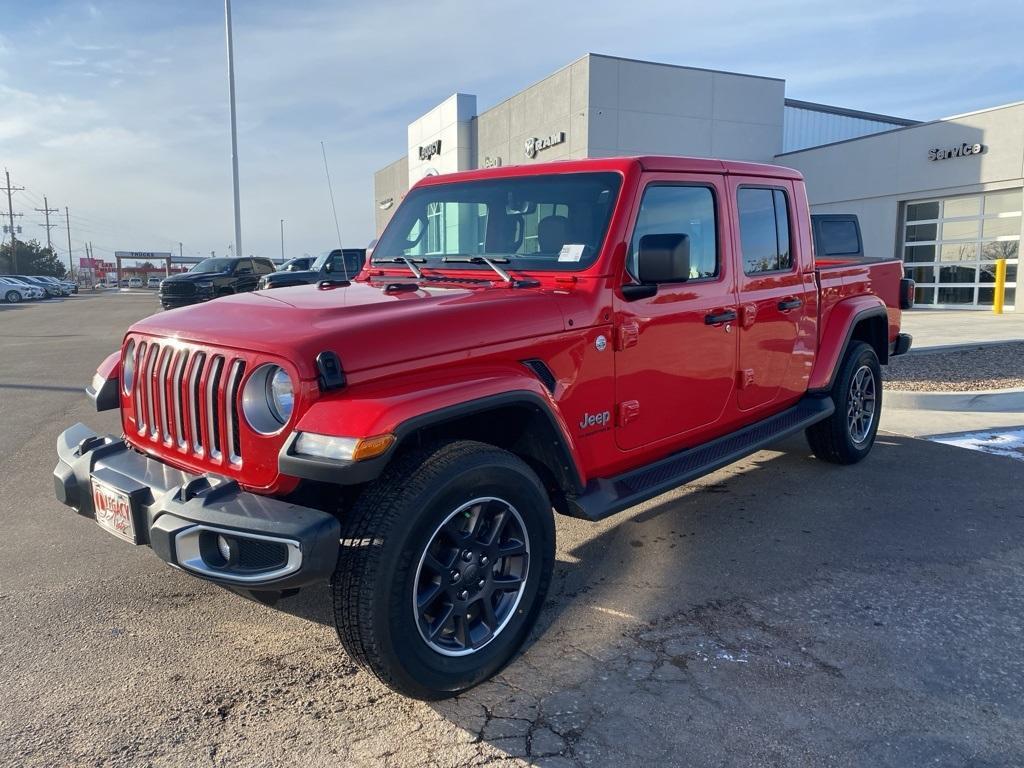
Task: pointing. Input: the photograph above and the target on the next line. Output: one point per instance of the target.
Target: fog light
(228, 549)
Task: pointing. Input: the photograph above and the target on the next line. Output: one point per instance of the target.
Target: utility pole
(10, 216)
(282, 241)
(47, 210)
(234, 126)
(67, 222)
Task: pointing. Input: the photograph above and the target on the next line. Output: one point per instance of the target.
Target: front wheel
(445, 561)
(12, 297)
(847, 435)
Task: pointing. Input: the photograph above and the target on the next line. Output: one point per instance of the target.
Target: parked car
(153, 281)
(68, 285)
(338, 264)
(49, 289)
(134, 282)
(211, 278)
(667, 318)
(110, 281)
(124, 282)
(297, 264)
(13, 291)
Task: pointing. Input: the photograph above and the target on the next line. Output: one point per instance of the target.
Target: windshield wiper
(492, 263)
(409, 262)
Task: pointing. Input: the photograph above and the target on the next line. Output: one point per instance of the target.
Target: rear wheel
(445, 561)
(12, 297)
(847, 435)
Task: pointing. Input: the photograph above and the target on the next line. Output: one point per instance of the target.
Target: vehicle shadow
(749, 611)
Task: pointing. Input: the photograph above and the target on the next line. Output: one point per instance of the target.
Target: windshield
(213, 265)
(548, 222)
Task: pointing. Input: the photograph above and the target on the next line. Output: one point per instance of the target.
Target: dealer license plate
(114, 511)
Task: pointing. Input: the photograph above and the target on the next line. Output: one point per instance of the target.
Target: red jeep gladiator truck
(573, 337)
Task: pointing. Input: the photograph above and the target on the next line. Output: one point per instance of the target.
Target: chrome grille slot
(140, 363)
(195, 415)
(178, 399)
(213, 421)
(154, 353)
(231, 438)
(165, 422)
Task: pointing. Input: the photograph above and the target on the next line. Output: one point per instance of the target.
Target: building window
(950, 247)
(435, 228)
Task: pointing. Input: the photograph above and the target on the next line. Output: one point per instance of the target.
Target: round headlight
(128, 368)
(280, 396)
(267, 399)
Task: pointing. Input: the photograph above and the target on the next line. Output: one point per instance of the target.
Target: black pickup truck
(211, 278)
(345, 263)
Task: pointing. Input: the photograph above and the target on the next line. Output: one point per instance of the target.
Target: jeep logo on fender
(589, 420)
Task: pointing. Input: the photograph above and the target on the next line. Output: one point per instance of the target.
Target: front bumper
(179, 514)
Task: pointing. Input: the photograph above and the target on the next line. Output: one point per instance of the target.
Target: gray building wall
(872, 176)
(389, 186)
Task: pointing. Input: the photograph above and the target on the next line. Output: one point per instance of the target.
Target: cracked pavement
(779, 612)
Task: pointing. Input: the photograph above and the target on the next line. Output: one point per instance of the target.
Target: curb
(993, 400)
(961, 346)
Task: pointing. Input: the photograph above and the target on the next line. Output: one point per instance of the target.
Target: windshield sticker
(571, 252)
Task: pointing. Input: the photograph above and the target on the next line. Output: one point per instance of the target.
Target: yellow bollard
(997, 301)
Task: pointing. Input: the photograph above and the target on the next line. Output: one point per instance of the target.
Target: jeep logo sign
(535, 145)
(963, 150)
(602, 419)
(433, 148)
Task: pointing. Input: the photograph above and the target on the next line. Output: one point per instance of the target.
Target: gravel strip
(999, 366)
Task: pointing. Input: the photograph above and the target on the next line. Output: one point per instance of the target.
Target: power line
(47, 210)
(10, 214)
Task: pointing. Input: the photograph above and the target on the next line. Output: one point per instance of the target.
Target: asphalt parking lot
(779, 612)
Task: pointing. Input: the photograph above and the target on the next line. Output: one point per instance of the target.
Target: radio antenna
(337, 227)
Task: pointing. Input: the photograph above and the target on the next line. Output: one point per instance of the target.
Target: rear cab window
(764, 230)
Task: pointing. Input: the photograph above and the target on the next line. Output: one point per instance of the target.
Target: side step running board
(606, 496)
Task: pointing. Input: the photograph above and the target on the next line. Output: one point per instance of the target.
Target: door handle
(787, 304)
(721, 317)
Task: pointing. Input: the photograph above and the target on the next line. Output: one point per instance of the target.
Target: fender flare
(836, 338)
(357, 472)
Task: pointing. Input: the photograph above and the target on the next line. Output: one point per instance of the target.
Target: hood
(191, 277)
(363, 323)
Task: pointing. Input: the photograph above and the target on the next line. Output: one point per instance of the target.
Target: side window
(243, 267)
(764, 230)
(263, 267)
(676, 209)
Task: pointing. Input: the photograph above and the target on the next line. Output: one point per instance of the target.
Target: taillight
(907, 288)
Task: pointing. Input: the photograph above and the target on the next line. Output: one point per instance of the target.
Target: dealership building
(945, 195)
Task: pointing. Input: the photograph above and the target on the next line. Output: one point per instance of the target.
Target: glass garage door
(950, 246)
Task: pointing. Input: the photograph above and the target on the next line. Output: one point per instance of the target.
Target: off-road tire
(382, 540)
(12, 297)
(831, 439)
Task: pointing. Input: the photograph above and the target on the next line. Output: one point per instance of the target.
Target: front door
(676, 351)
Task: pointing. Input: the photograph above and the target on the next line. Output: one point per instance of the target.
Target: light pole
(282, 241)
(234, 126)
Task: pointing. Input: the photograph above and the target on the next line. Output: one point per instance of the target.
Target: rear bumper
(902, 344)
(180, 515)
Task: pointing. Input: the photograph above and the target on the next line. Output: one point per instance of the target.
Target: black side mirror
(664, 258)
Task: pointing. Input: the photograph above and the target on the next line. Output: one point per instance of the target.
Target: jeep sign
(433, 148)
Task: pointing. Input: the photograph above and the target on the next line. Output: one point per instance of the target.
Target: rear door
(675, 365)
(777, 296)
(245, 276)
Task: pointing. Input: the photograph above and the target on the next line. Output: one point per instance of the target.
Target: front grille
(187, 398)
(174, 288)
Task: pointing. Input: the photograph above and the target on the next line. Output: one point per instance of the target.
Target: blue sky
(118, 109)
